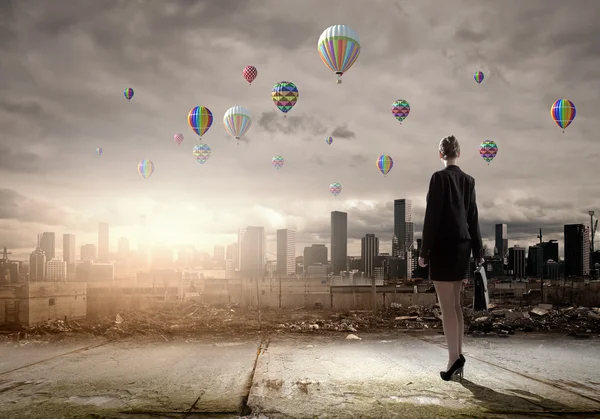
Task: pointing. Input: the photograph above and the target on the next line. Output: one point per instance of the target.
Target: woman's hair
(449, 147)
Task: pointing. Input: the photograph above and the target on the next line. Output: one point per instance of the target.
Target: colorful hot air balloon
(400, 109)
(329, 140)
(277, 162)
(478, 76)
(339, 47)
(146, 168)
(237, 121)
(335, 188)
(488, 150)
(200, 120)
(178, 138)
(385, 164)
(285, 95)
(128, 93)
(99, 151)
(563, 112)
(202, 153)
(250, 72)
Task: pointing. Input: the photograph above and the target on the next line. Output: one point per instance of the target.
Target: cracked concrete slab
(390, 376)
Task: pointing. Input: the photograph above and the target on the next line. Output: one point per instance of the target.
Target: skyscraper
(48, 245)
(316, 254)
(123, 248)
(516, 262)
(253, 252)
(241, 233)
(502, 240)
(577, 249)
(286, 252)
(37, 265)
(535, 261)
(103, 255)
(369, 249)
(219, 254)
(88, 252)
(403, 228)
(339, 241)
(69, 248)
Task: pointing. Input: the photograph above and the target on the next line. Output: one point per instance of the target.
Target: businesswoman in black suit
(450, 234)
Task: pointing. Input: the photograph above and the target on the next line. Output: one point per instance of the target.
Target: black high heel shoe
(462, 357)
(455, 369)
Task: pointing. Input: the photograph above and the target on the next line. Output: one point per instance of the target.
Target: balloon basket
(338, 81)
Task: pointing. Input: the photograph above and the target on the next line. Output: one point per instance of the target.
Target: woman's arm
(473, 221)
(433, 214)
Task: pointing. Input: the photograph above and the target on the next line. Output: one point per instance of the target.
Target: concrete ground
(383, 375)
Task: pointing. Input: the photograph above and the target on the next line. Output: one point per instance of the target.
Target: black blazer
(451, 213)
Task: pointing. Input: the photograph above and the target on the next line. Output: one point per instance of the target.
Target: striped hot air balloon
(339, 47)
(200, 120)
(146, 168)
(478, 76)
(563, 112)
(237, 121)
(385, 164)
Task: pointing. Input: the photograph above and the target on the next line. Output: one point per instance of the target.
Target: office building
(339, 241)
(286, 252)
(535, 261)
(103, 247)
(56, 270)
(403, 228)
(88, 252)
(550, 249)
(315, 254)
(37, 265)
(369, 249)
(241, 233)
(92, 271)
(317, 271)
(501, 245)
(123, 248)
(48, 245)
(253, 256)
(577, 249)
(219, 254)
(516, 262)
(69, 248)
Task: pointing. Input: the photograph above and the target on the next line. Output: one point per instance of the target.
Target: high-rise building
(339, 241)
(37, 265)
(316, 254)
(253, 256)
(516, 262)
(501, 245)
(123, 248)
(577, 249)
(286, 252)
(48, 245)
(550, 249)
(535, 261)
(403, 228)
(88, 252)
(219, 253)
(232, 258)
(103, 247)
(69, 248)
(56, 270)
(369, 249)
(241, 233)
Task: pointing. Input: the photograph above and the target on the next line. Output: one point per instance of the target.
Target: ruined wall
(13, 304)
(55, 300)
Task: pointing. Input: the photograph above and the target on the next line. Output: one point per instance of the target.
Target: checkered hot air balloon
(478, 76)
(488, 150)
(128, 93)
(277, 162)
(385, 164)
(563, 112)
(335, 188)
(200, 120)
(285, 95)
(202, 153)
(178, 138)
(99, 151)
(339, 47)
(400, 109)
(250, 72)
(146, 168)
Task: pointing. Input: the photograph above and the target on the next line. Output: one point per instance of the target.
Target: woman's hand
(422, 262)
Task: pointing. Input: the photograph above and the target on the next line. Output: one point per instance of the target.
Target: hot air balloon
(202, 153)
(250, 72)
(478, 76)
(146, 168)
(339, 47)
(385, 164)
(99, 151)
(277, 162)
(128, 93)
(200, 120)
(178, 138)
(285, 95)
(563, 112)
(329, 140)
(400, 109)
(335, 188)
(237, 121)
(488, 150)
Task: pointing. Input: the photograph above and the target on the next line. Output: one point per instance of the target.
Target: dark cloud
(357, 160)
(14, 206)
(292, 124)
(316, 159)
(21, 161)
(343, 132)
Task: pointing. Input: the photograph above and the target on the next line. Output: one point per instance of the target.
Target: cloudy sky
(63, 70)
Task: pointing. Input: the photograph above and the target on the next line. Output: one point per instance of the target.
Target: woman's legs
(450, 320)
(459, 314)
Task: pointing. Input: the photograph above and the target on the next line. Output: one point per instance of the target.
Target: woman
(450, 234)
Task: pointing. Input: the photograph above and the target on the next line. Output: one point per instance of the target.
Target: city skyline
(65, 75)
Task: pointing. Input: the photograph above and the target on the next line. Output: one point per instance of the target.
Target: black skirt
(450, 261)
